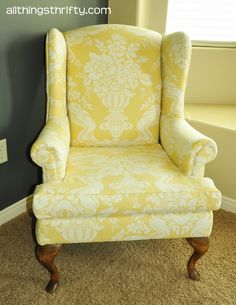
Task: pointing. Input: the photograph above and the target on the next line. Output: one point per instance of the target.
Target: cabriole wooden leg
(46, 255)
(200, 245)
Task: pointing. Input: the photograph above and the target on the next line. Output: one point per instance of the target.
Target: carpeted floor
(119, 273)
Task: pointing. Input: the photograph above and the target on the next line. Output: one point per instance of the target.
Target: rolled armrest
(189, 149)
(51, 149)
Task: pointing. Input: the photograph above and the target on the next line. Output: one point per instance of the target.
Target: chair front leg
(46, 255)
(200, 245)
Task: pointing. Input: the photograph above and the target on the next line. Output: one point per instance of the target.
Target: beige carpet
(143, 272)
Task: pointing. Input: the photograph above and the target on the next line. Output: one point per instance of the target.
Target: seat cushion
(119, 181)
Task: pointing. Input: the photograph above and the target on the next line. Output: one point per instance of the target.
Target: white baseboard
(21, 206)
(15, 209)
(228, 204)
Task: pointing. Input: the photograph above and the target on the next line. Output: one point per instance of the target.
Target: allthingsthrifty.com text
(57, 10)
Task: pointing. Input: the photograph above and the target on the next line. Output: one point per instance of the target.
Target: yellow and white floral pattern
(130, 227)
(116, 71)
(188, 149)
(112, 91)
(119, 181)
(51, 149)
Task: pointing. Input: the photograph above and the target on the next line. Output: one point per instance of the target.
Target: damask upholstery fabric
(188, 149)
(129, 227)
(52, 146)
(51, 149)
(119, 161)
(113, 85)
(119, 181)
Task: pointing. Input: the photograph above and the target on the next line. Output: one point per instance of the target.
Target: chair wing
(188, 148)
(52, 146)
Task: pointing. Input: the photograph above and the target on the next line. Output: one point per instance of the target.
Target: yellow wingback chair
(119, 160)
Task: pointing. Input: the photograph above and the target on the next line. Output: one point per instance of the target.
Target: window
(208, 22)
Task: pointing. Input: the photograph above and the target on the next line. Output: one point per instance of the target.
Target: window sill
(213, 114)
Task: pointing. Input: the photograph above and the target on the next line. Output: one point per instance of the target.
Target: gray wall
(22, 87)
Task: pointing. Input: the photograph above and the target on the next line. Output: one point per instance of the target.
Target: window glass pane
(203, 20)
